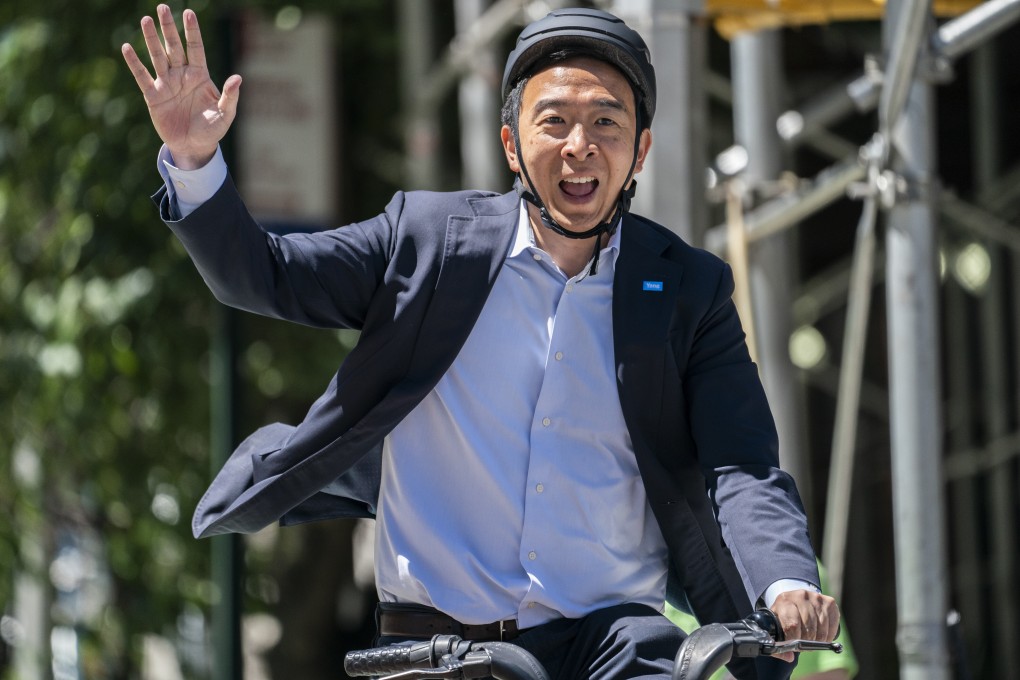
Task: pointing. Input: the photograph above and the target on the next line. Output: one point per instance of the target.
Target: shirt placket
(538, 547)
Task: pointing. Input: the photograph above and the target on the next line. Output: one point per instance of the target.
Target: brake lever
(417, 673)
(783, 646)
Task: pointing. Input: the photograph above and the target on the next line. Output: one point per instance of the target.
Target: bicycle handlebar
(447, 656)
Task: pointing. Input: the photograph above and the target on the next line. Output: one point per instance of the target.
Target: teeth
(579, 180)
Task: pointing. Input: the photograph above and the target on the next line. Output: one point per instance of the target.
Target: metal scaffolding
(906, 122)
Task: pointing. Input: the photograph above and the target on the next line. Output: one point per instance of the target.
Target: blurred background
(123, 384)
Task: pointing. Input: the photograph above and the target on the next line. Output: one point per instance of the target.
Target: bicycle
(448, 656)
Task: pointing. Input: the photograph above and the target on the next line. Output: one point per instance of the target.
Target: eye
(605, 121)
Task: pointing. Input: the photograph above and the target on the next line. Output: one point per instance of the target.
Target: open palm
(189, 113)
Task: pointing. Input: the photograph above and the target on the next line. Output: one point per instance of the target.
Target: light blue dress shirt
(512, 490)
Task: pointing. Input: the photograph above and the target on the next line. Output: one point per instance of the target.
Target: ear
(644, 145)
(510, 148)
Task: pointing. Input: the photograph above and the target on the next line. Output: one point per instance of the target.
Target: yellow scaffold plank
(734, 16)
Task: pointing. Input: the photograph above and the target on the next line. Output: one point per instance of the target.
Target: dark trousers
(616, 643)
(625, 641)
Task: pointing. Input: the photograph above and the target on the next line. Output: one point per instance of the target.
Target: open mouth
(579, 187)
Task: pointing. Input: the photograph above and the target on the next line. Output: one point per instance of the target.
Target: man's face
(577, 128)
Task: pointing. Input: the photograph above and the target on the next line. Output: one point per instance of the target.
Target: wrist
(785, 585)
(191, 160)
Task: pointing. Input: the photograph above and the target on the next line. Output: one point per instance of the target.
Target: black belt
(420, 622)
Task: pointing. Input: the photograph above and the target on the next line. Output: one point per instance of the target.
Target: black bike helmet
(589, 30)
(606, 37)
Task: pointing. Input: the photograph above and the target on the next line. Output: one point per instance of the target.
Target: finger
(809, 624)
(157, 54)
(794, 624)
(794, 616)
(142, 76)
(174, 49)
(787, 616)
(832, 617)
(821, 618)
(193, 37)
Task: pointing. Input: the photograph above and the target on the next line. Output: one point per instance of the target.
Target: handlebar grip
(399, 658)
(379, 661)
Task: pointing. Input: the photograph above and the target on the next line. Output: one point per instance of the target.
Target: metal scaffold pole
(757, 102)
(906, 114)
(671, 189)
(421, 130)
(680, 36)
(484, 166)
(993, 306)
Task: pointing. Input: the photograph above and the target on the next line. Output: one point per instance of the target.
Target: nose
(578, 144)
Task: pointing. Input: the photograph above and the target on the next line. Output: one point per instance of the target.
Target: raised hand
(189, 113)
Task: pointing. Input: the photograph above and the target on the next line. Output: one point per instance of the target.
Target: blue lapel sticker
(652, 285)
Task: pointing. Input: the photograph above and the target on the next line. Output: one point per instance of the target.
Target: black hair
(510, 114)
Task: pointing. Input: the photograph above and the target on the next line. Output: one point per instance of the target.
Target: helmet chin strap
(607, 227)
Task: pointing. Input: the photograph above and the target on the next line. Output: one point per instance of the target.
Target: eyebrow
(555, 103)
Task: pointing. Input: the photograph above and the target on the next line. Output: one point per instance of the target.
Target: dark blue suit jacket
(413, 281)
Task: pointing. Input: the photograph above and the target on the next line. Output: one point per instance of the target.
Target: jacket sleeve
(759, 511)
(323, 279)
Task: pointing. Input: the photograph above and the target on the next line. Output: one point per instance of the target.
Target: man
(551, 411)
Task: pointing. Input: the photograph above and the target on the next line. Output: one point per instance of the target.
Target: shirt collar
(525, 237)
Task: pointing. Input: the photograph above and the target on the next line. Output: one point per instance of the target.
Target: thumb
(231, 93)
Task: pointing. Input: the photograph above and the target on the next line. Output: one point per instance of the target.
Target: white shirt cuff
(191, 188)
(785, 585)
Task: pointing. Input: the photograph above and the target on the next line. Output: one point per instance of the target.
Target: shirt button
(547, 421)
(570, 288)
(538, 257)
(540, 487)
(559, 356)
(532, 555)
(531, 605)
(180, 184)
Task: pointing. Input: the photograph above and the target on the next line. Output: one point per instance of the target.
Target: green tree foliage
(101, 317)
(105, 328)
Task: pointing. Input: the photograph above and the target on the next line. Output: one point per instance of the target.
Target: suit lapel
(475, 249)
(645, 300)
(645, 291)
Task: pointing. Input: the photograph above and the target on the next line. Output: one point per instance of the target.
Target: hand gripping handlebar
(710, 647)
